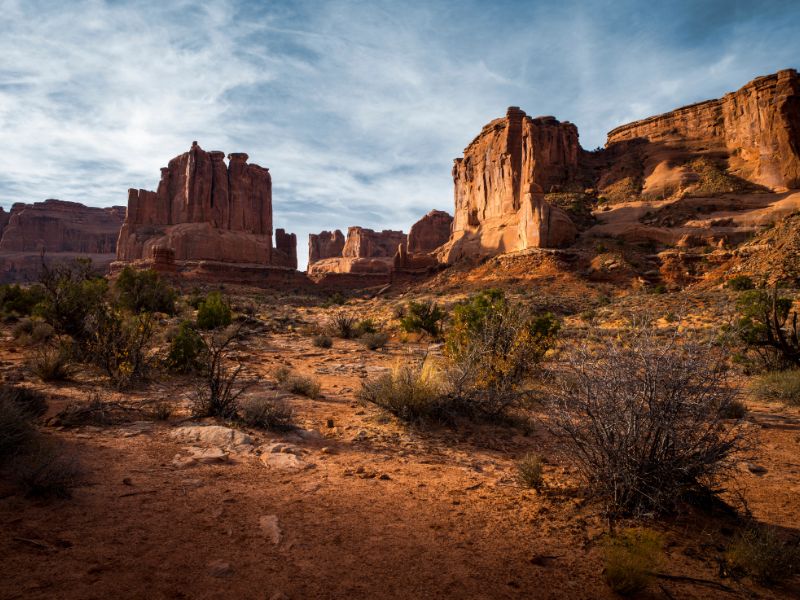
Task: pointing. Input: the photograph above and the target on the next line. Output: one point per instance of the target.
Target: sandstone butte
(747, 141)
(59, 229)
(207, 214)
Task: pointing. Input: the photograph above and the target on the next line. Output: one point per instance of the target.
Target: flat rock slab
(284, 462)
(213, 435)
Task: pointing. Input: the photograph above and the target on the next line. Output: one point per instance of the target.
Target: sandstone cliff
(206, 210)
(499, 202)
(365, 251)
(430, 232)
(325, 244)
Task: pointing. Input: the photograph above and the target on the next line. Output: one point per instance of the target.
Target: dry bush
(764, 555)
(322, 341)
(267, 413)
(31, 402)
(120, 345)
(96, 412)
(219, 394)
(16, 429)
(374, 341)
(642, 416)
(296, 384)
(44, 472)
(412, 393)
(780, 386)
(530, 471)
(343, 325)
(53, 362)
(631, 558)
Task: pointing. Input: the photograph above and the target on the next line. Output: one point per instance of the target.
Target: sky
(357, 107)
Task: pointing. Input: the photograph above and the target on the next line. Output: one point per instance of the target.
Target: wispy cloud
(357, 108)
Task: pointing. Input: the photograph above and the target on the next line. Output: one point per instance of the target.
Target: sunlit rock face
(364, 251)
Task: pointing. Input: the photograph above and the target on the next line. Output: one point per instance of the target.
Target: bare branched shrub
(97, 412)
(120, 345)
(52, 362)
(643, 417)
(267, 413)
(343, 325)
(219, 394)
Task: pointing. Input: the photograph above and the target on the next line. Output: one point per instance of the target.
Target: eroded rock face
(325, 244)
(207, 210)
(59, 226)
(365, 251)
(430, 232)
(499, 202)
(748, 136)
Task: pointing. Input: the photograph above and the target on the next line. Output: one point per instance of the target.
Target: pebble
(219, 568)
(269, 526)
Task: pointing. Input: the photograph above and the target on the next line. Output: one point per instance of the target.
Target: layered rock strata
(365, 251)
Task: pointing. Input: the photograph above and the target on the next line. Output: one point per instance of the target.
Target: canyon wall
(206, 210)
(365, 251)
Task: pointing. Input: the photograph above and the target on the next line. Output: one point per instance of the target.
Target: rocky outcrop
(325, 244)
(207, 210)
(365, 251)
(499, 199)
(751, 136)
(430, 232)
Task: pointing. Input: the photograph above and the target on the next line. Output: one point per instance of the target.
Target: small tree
(144, 291)
(643, 418)
(219, 394)
(425, 316)
(214, 312)
(185, 349)
(71, 294)
(768, 326)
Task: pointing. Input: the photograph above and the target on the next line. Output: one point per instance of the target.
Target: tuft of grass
(344, 326)
(763, 555)
(322, 341)
(267, 413)
(374, 341)
(412, 393)
(735, 409)
(161, 411)
(779, 386)
(52, 363)
(297, 384)
(16, 429)
(46, 473)
(631, 558)
(530, 471)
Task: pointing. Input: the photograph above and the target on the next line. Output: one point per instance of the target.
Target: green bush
(759, 310)
(780, 386)
(740, 283)
(631, 559)
(19, 301)
(764, 555)
(144, 291)
(425, 316)
(185, 349)
(71, 295)
(214, 312)
(120, 345)
(366, 326)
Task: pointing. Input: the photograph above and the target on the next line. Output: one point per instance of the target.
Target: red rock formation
(325, 245)
(752, 134)
(285, 252)
(206, 210)
(59, 226)
(430, 232)
(499, 204)
(365, 251)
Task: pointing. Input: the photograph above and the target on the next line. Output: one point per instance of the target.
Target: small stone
(330, 424)
(219, 568)
(756, 469)
(210, 456)
(270, 528)
(384, 477)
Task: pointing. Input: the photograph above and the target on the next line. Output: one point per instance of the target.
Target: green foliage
(763, 554)
(16, 301)
(757, 330)
(71, 295)
(471, 315)
(780, 386)
(144, 291)
(185, 349)
(424, 316)
(120, 345)
(214, 312)
(530, 471)
(631, 558)
(740, 283)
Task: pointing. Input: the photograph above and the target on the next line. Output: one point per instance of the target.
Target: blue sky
(357, 108)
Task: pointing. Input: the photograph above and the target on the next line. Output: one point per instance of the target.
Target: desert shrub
(494, 347)
(160, 411)
(32, 331)
(735, 409)
(344, 326)
(22, 330)
(302, 385)
(374, 341)
(71, 295)
(765, 328)
(322, 341)
(267, 413)
(366, 326)
(740, 283)
(642, 417)
(16, 429)
(219, 394)
(411, 392)
(214, 312)
(281, 373)
(17, 301)
(425, 316)
(32, 402)
(120, 344)
(144, 291)
(335, 299)
(185, 349)
(630, 559)
(780, 386)
(764, 555)
(97, 412)
(52, 362)
(45, 472)
(530, 471)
